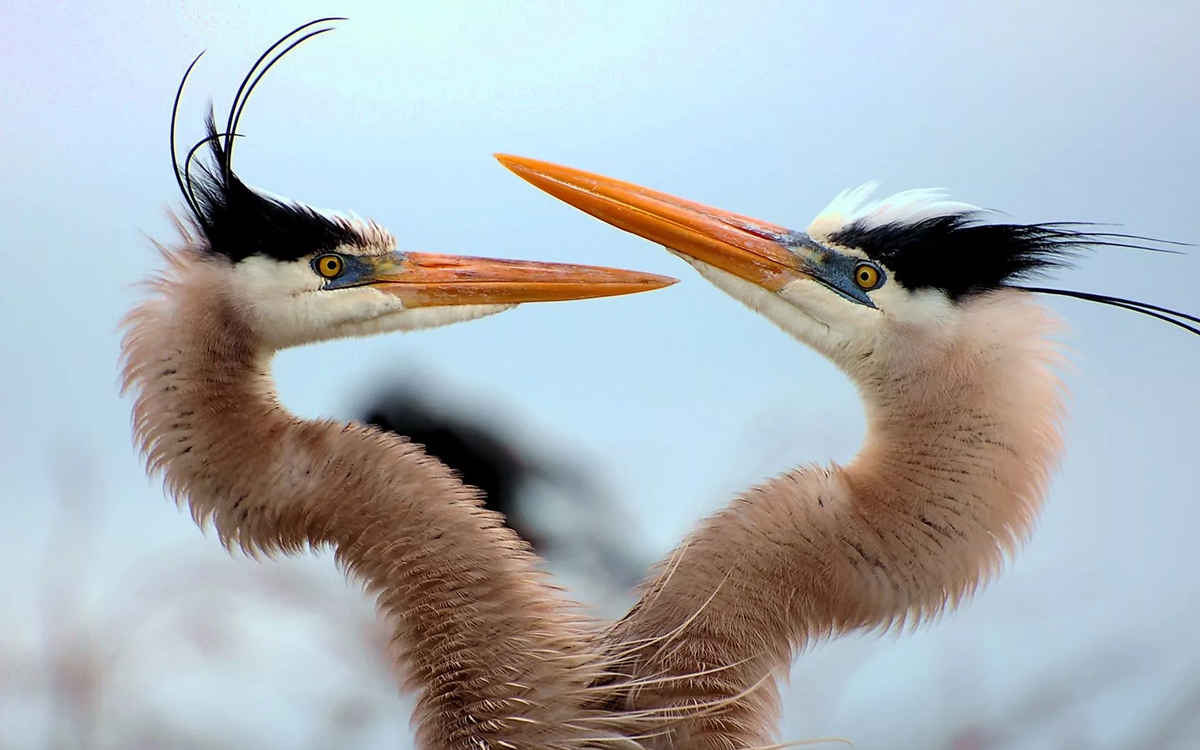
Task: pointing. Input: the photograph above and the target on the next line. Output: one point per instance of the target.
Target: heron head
(867, 283)
(300, 274)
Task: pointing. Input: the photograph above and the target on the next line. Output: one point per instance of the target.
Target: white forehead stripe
(906, 207)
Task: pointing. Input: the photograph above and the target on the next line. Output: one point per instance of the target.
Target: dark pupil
(864, 275)
(331, 265)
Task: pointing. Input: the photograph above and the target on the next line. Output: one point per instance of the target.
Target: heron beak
(750, 249)
(431, 280)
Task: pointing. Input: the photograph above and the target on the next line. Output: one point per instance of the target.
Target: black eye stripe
(963, 253)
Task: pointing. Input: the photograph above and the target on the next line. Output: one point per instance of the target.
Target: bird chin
(418, 318)
(793, 308)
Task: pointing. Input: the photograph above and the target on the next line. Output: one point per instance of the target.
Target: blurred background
(608, 426)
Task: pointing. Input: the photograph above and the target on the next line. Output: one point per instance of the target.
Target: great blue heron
(498, 656)
(921, 302)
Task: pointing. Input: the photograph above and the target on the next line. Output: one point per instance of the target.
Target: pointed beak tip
(533, 171)
(509, 161)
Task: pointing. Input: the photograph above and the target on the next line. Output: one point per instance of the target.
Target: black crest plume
(237, 221)
(961, 255)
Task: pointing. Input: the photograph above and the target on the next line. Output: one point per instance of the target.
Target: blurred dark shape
(481, 456)
(581, 531)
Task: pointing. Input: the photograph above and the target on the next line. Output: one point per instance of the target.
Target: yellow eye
(866, 276)
(330, 266)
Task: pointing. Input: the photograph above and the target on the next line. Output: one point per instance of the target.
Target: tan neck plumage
(496, 654)
(950, 478)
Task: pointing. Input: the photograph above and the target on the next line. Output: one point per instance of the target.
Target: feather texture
(963, 433)
(499, 657)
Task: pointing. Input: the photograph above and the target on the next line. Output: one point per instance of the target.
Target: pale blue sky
(1046, 110)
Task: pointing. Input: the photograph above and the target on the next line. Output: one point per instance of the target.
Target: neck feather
(963, 432)
(498, 656)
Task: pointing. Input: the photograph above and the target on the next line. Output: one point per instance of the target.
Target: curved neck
(497, 655)
(950, 478)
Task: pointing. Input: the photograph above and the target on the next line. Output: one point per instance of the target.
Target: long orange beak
(750, 249)
(430, 280)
